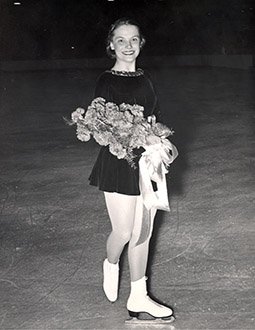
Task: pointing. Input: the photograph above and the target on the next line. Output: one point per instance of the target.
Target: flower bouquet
(124, 128)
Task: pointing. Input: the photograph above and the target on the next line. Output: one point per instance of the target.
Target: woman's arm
(102, 87)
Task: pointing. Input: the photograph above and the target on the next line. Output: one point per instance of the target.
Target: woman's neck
(129, 67)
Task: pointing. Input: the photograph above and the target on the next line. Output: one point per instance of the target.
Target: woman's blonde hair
(114, 26)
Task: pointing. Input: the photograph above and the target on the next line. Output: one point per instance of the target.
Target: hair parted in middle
(114, 26)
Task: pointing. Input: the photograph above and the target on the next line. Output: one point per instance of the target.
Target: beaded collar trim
(138, 72)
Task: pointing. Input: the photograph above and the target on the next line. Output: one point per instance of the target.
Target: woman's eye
(135, 39)
(120, 41)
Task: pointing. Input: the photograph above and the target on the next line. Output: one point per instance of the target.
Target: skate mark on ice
(5, 198)
(10, 282)
(60, 283)
(203, 249)
(49, 216)
(174, 238)
(177, 255)
(76, 269)
(3, 317)
(9, 267)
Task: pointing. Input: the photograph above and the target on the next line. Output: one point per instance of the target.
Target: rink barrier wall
(227, 61)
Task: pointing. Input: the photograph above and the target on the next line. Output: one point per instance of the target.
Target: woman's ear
(111, 46)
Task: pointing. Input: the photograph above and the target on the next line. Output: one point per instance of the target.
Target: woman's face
(126, 43)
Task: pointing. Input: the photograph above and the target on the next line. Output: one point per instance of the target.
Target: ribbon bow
(153, 166)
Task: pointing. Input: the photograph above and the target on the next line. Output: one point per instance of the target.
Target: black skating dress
(109, 173)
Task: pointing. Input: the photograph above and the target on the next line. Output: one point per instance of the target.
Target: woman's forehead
(126, 30)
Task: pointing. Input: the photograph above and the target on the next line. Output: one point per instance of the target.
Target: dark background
(59, 29)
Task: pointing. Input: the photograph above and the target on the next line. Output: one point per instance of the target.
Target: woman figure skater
(119, 181)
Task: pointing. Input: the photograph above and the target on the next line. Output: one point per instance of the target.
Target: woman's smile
(129, 52)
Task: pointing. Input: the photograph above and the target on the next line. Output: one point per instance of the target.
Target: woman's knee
(123, 235)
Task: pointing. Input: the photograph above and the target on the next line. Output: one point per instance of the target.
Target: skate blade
(157, 321)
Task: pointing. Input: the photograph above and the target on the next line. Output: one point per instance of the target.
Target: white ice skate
(111, 280)
(139, 302)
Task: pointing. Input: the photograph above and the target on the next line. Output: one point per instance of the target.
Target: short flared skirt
(111, 174)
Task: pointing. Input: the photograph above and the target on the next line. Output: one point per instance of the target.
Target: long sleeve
(102, 88)
(156, 109)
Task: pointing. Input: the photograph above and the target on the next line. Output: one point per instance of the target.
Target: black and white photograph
(127, 164)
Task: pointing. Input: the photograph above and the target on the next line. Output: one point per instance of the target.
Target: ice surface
(54, 225)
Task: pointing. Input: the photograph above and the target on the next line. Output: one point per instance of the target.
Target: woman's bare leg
(139, 243)
(121, 210)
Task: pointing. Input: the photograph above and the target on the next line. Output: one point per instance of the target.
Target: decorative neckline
(138, 72)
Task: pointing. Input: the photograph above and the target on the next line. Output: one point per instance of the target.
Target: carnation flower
(117, 150)
(111, 106)
(77, 114)
(83, 137)
(102, 138)
(137, 111)
(123, 128)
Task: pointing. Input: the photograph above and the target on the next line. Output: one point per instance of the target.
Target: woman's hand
(152, 139)
(151, 120)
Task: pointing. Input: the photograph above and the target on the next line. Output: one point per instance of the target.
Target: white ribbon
(152, 166)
